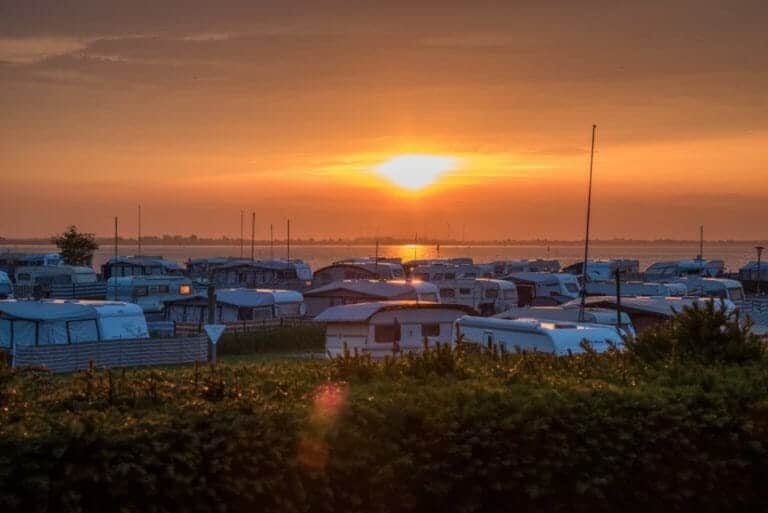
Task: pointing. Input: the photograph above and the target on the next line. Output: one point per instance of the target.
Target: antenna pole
(139, 236)
(116, 238)
(701, 242)
(253, 236)
(376, 256)
(271, 242)
(241, 234)
(288, 240)
(586, 238)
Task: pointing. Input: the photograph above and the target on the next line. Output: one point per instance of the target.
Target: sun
(414, 172)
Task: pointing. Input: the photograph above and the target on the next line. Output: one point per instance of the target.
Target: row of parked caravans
(387, 327)
(384, 328)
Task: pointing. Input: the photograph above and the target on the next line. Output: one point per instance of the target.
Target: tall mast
(288, 240)
(271, 242)
(253, 236)
(586, 238)
(115, 237)
(701, 242)
(139, 236)
(241, 233)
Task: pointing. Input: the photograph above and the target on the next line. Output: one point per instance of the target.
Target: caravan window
(185, 290)
(52, 332)
(447, 293)
(429, 297)
(491, 293)
(737, 294)
(162, 289)
(83, 331)
(430, 330)
(465, 292)
(140, 291)
(422, 276)
(384, 333)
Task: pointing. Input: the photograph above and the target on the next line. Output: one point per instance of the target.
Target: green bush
(446, 430)
(307, 338)
(703, 334)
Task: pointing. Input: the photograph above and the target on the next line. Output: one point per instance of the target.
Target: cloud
(30, 50)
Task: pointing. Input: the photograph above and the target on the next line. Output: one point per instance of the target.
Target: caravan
(387, 327)
(29, 323)
(543, 289)
(561, 338)
(149, 292)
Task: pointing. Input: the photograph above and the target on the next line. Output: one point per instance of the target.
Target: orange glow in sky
(353, 119)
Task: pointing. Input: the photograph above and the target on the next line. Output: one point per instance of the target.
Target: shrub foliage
(446, 430)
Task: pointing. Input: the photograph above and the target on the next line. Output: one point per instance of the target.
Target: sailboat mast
(586, 237)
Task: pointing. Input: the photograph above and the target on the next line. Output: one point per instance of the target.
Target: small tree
(76, 248)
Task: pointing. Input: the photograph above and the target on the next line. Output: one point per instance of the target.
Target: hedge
(443, 431)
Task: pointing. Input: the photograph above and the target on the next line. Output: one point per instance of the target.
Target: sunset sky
(199, 109)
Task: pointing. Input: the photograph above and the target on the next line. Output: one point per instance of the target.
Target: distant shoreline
(158, 241)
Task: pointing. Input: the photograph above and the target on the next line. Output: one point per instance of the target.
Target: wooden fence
(193, 328)
(112, 353)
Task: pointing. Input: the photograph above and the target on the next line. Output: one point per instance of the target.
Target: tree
(76, 248)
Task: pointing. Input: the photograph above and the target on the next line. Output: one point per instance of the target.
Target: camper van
(139, 266)
(501, 268)
(486, 295)
(713, 287)
(149, 292)
(559, 337)
(572, 313)
(6, 287)
(604, 270)
(636, 288)
(388, 327)
(237, 305)
(671, 271)
(346, 292)
(357, 269)
(61, 281)
(282, 274)
(27, 323)
(543, 289)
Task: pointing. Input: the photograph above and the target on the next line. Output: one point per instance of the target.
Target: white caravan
(388, 327)
(636, 288)
(561, 338)
(670, 271)
(28, 323)
(571, 313)
(713, 287)
(486, 295)
(543, 289)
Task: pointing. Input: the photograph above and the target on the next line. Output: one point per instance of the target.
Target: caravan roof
(64, 310)
(362, 312)
(663, 306)
(535, 277)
